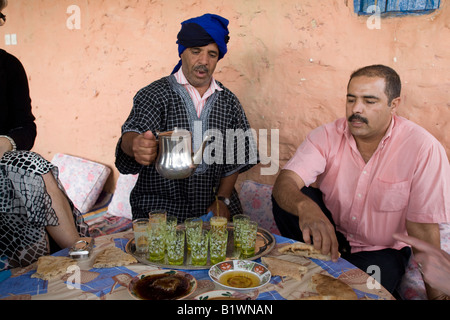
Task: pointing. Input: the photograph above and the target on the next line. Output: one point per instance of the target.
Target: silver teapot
(175, 158)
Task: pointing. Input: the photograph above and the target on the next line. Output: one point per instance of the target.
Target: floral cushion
(256, 200)
(82, 179)
(120, 203)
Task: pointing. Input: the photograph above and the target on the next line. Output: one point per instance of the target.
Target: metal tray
(265, 242)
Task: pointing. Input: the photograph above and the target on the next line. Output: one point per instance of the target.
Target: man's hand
(317, 226)
(218, 207)
(312, 221)
(143, 147)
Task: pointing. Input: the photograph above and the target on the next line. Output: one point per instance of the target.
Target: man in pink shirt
(378, 174)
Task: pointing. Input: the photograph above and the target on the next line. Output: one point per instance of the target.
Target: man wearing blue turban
(189, 97)
(201, 31)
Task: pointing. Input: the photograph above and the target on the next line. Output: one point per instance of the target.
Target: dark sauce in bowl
(162, 287)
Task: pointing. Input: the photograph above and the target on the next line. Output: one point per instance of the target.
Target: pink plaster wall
(288, 62)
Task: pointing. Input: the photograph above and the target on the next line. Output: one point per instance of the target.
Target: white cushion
(120, 203)
(82, 179)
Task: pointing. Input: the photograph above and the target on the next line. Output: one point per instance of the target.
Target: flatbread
(50, 267)
(113, 257)
(283, 268)
(304, 250)
(329, 286)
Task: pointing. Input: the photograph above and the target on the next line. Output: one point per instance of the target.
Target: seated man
(379, 174)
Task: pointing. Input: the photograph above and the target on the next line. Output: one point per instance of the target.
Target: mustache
(358, 118)
(201, 68)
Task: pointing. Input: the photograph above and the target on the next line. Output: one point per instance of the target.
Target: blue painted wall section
(396, 7)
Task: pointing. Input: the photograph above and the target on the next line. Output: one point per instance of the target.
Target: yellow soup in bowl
(240, 279)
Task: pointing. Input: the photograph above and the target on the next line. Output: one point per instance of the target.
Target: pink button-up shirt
(408, 177)
(199, 101)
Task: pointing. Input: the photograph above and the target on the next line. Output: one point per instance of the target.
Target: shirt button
(353, 218)
(365, 172)
(359, 195)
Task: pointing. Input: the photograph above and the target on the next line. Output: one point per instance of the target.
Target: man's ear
(394, 104)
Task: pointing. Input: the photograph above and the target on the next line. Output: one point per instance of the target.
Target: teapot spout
(198, 155)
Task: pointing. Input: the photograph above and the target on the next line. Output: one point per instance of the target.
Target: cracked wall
(288, 63)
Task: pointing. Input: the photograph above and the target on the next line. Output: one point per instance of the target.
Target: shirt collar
(181, 79)
(388, 132)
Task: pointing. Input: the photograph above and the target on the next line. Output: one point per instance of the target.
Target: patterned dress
(26, 209)
(166, 104)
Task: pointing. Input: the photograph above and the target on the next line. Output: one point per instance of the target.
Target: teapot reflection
(176, 159)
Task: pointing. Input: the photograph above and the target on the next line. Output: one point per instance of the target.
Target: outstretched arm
(312, 221)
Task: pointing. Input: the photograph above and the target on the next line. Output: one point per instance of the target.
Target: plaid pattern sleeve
(164, 105)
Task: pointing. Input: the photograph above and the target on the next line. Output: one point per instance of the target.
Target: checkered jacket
(162, 106)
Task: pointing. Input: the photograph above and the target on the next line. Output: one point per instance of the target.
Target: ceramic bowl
(220, 271)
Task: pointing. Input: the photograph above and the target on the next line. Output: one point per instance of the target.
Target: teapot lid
(176, 132)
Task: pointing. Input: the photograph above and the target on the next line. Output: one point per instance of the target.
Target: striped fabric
(99, 209)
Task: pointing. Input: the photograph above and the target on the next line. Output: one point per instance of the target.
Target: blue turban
(201, 31)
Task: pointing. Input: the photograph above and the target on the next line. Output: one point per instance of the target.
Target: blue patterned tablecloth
(111, 283)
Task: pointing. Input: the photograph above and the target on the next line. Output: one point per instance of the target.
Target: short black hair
(3, 4)
(393, 84)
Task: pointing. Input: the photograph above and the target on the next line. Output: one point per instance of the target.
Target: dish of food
(240, 275)
(162, 285)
